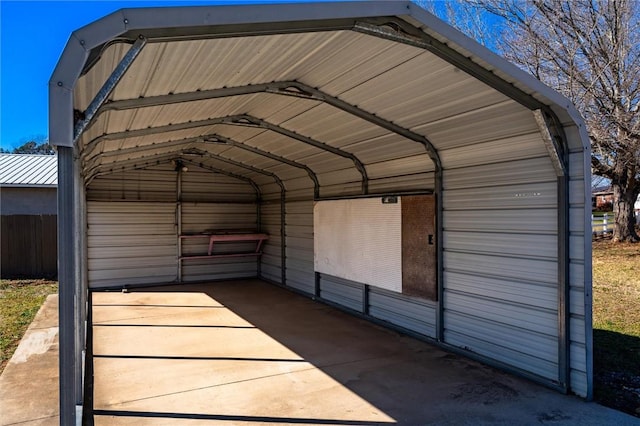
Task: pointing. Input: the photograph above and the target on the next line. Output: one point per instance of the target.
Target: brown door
(419, 246)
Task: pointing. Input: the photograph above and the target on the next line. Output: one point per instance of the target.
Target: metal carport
(165, 118)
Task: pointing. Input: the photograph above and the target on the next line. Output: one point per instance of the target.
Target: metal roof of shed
(28, 170)
(354, 94)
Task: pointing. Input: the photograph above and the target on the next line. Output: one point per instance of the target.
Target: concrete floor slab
(247, 353)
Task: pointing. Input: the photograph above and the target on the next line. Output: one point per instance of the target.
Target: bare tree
(588, 50)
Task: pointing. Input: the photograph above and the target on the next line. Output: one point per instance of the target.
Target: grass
(616, 324)
(19, 303)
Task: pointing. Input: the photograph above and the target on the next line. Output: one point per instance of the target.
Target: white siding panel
(131, 243)
(503, 266)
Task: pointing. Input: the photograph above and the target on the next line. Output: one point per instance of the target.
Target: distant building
(601, 197)
(28, 207)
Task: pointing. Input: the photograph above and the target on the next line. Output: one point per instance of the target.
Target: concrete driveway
(248, 353)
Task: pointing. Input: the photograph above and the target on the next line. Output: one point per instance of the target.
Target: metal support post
(66, 289)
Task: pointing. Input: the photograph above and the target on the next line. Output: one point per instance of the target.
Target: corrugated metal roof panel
(28, 170)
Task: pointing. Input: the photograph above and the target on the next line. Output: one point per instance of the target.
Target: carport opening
(362, 154)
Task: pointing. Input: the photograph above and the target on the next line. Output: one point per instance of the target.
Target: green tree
(37, 145)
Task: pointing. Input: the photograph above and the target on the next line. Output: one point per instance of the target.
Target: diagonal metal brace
(107, 88)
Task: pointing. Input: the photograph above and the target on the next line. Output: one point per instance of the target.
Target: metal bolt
(126, 21)
(59, 84)
(82, 42)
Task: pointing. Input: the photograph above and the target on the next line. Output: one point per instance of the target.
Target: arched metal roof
(354, 96)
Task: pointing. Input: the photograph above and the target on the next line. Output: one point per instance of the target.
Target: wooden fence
(29, 247)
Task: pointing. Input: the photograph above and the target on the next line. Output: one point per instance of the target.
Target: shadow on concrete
(404, 380)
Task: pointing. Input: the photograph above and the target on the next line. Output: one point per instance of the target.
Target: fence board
(29, 246)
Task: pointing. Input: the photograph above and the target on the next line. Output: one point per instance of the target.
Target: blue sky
(32, 37)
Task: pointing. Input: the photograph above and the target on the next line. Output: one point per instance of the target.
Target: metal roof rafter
(137, 163)
(90, 161)
(207, 139)
(250, 121)
(286, 88)
(236, 120)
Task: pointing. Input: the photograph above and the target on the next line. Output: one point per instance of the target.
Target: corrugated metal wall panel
(131, 243)
(497, 151)
(342, 292)
(524, 350)
(153, 184)
(407, 312)
(516, 172)
(541, 246)
(526, 221)
(199, 217)
(271, 260)
(580, 292)
(500, 256)
(299, 243)
(415, 182)
(201, 185)
(537, 195)
(343, 189)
